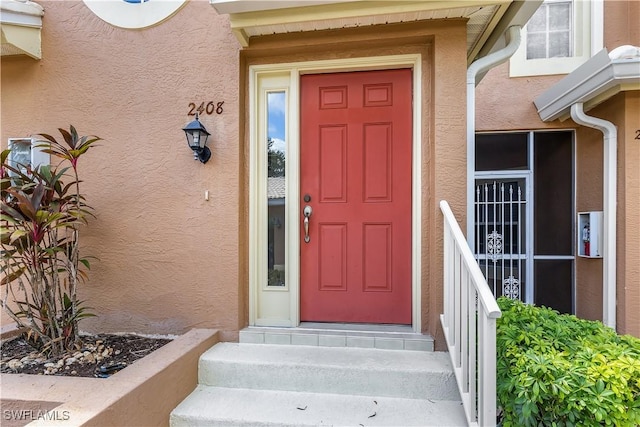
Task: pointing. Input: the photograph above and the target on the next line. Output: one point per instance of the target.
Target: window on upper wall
(559, 37)
(24, 152)
(549, 31)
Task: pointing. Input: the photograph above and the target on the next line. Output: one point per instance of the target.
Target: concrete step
(350, 371)
(293, 385)
(217, 406)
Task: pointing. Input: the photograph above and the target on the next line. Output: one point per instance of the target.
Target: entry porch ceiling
(20, 25)
(487, 19)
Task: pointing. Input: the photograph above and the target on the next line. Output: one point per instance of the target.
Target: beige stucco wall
(504, 103)
(628, 248)
(589, 193)
(621, 23)
(447, 155)
(168, 259)
(621, 18)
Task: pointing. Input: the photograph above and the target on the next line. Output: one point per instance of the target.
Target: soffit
(592, 83)
(20, 25)
(259, 18)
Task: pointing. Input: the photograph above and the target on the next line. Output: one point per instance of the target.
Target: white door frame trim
(286, 77)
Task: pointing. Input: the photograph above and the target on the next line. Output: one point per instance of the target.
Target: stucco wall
(621, 27)
(504, 103)
(447, 178)
(621, 23)
(589, 179)
(629, 218)
(168, 259)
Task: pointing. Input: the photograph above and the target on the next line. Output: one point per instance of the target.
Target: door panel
(356, 143)
(377, 257)
(332, 260)
(377, 167)
(333, 163)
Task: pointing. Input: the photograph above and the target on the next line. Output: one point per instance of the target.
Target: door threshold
(387, 337)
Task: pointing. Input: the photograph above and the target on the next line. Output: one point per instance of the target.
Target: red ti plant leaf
(75, 145)
(3, 159)
(68, 137)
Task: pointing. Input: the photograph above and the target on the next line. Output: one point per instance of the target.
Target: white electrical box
(590, 234)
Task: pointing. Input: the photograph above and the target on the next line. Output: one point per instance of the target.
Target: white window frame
(587, 41)
(37, 158)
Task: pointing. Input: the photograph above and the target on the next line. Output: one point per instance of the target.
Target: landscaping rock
(107, 350)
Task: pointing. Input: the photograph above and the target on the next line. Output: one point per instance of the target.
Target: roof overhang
(20, 24)
(487, 20)
(592, 83)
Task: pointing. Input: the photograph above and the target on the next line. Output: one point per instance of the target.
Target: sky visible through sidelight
(276, 120)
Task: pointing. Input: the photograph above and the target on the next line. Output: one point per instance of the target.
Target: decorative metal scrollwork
(511, 288)
(494, 245)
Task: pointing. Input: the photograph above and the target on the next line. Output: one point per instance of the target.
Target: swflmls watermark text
(35, 415)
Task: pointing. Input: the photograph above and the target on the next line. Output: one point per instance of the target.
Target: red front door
(356, 142)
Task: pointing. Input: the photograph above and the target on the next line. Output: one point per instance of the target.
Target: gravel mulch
(99, 356)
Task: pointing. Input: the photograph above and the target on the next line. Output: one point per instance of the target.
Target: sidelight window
(276, 188)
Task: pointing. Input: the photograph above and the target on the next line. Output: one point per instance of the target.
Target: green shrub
(558, 370)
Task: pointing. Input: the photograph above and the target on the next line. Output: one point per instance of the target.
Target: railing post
(464, 329)
(473, 349)
(447, 279)
(457, 317)
(487, 372)
(469, 323)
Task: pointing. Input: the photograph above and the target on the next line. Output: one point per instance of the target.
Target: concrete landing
(287, 385)
(386, 337)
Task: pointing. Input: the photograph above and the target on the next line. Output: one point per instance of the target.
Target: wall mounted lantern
(197, 139)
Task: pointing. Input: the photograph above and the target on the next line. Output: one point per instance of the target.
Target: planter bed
(142, 394)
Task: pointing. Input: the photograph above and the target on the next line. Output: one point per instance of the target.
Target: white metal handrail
(469, 324)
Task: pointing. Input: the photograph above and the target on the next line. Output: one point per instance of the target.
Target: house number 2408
(210, 108)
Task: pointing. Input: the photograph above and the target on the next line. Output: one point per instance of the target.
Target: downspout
(481, 65)
(609, 195)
